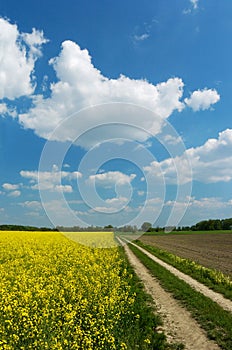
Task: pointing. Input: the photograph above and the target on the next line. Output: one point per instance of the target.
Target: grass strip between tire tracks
(216, 321)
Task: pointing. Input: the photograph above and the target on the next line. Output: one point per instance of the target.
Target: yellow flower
(59, 294)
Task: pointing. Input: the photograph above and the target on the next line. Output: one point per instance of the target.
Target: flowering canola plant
(59, 294)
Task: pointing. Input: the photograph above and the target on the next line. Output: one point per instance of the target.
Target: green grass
(216, 321)
(212, 278)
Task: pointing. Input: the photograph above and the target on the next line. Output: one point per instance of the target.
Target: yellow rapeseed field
(59, 294)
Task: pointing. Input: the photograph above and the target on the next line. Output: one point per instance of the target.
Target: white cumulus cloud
(10, 187)
(117, 201)
(34, 40)
(172, 140)
(202, 209)
(3, 108)
(50, 180)
(112, 178)
(210, 162)
(141, 37)
(194, 3)
(64, 188)
(35, 205)
(15, 194)
(202, 99)
(7, 110)
(81, 85)
(112, 205)
(18, 54)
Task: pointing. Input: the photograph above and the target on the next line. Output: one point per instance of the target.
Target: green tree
(145, 226)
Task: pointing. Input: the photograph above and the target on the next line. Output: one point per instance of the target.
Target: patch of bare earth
(210, 250)
(178, 325)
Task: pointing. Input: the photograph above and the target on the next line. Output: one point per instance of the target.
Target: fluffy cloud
(10, 187)
(210, 162)
(172, 170)
(63, 188)
(14, 194)
(194, 6)
(117, 201)
(141, 37)
(35, 205)
(202, 99)
(82, 85)
(34, 41)
(112, 178)
(202, 209)
(172, 140)
(3, 108)
(18, 54)
(60, 216)
(194, 3)
(50, 180)
(117, 181)
(7, 110)
(153, 205)
(112, 205)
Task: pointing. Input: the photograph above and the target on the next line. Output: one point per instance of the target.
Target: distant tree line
(206, 225)
(24, 228)
(84, 229)
(126, 228)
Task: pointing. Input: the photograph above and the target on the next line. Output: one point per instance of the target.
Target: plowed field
(210, 250)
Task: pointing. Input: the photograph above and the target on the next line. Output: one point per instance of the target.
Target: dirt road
(178, 323)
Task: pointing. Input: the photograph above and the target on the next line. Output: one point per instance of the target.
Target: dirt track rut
(178, 326)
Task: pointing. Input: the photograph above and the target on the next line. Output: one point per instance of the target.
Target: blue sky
(115, 112)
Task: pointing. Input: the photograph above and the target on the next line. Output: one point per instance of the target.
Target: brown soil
(210, 250)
